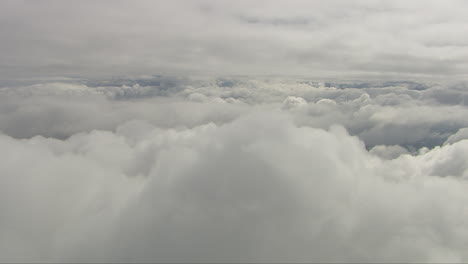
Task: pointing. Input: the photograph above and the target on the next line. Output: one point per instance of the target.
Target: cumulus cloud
(259, 188)
(388, 152)
(380, 113)
(238, 170)
(461, 134)
(293, 102)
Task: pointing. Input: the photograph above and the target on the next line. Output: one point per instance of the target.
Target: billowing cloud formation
(257, 189)
(409, 114)
(233, 170)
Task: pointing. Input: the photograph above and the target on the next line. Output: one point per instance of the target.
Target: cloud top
(232, 171)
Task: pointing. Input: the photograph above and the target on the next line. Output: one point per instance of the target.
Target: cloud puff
(388, 152)
(293, 102)
(461, 134)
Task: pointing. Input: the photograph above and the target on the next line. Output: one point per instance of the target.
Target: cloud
(240, 131)
(388, 152)
(461, 134)
(293, 102)
(233, 170)
(259, 188)
(380, 113)
(352, 38)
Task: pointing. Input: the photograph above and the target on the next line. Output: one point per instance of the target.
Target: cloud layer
(233, 131)
(233, 170)
(406, 113)
(312, 38)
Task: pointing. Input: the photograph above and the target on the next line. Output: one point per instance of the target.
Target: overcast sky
(313, 38)
(129, 132)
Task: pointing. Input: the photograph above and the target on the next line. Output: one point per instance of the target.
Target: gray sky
(123, 139)
(314, 38)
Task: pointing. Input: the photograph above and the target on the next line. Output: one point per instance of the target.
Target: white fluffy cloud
(256, 189)
(232, 171)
